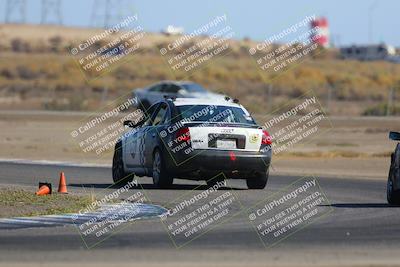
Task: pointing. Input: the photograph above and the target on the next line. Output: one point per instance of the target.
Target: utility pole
(51, 12)
(371, 9)
(329, 100)
(16, 11)
(107, 13)
(390, 101)
(391, 93)
(104, 95)
(270, 97)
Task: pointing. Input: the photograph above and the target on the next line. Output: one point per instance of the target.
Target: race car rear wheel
(161, 178)
(259, 181)
(120, 177)
(393, 196)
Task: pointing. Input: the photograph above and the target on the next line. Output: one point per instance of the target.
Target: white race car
(196, 139)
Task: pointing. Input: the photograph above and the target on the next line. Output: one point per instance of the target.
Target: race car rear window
(205, 113)
(194, 88)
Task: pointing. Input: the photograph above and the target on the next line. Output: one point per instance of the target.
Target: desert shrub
(64, 88)
(8, 74)
(26, 73)
(381, 110)
(220, 73)
(55, 44)
(382, 79)
(124, 73)
(319, 53)
(74, 102)
(99, 44)
(160, 45)
(19, 45)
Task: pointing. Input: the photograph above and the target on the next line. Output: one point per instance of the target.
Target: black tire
(120, 177)
(161, 177)
(259, 181)
(213, 181)
(393, 196)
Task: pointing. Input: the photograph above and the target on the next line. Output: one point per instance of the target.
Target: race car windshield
(194, 88)
(204, 113)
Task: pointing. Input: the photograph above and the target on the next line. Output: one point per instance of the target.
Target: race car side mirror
(130, 124)
(394, 136)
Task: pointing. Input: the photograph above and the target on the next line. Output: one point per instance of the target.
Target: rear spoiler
(226, 124)
(394, 136)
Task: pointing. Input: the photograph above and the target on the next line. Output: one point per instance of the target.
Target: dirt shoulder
(17, 202)
(354, 146)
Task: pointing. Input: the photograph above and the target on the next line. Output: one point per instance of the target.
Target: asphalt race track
(362, 228)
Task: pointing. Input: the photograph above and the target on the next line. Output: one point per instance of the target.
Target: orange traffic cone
(62, 186)
(44, 189)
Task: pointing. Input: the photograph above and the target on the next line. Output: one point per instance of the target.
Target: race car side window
(164, 87)
(161, 115)
(156, 88)
(172, 89)
(150, 114)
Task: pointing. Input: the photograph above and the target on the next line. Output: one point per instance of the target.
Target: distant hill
(38, 71)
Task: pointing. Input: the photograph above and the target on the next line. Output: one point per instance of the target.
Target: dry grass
(46, 77)
(335, 154)
(19, 202)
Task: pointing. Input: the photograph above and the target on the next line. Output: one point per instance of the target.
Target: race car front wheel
(120, 177)
(259, 181)
(393, 196)
(161, 178)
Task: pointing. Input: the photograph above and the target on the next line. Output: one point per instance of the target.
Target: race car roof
(205, 101)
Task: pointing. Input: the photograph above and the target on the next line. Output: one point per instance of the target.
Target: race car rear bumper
(232, 163)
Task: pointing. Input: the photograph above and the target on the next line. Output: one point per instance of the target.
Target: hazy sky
(255, 19)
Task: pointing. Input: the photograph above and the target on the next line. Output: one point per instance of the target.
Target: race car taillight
(266, 138)
(183, 134)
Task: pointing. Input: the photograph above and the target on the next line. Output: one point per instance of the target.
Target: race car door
(135, 145)
(152, 136)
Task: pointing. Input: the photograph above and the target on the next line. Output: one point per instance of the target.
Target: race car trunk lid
(229, 136)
